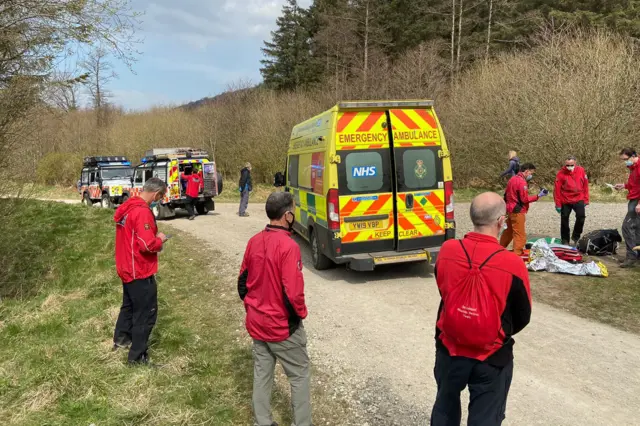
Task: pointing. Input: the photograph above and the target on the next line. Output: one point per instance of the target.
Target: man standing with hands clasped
(137, 245)
(518, 199)
(272, 288)
(571, 193)
(631, 224)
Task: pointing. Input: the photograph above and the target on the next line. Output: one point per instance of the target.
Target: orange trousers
(515, 231)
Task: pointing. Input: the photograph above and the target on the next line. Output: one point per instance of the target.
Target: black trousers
(190, 205)
(565, 213)
(488, 389)
(137, 317)
(631, 230)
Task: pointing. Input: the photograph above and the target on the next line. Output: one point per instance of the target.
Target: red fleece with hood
(571, 187)
(137, 245)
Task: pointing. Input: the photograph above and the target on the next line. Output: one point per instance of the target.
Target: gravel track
(372, 333)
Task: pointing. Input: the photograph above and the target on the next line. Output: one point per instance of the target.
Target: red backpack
(471, 315)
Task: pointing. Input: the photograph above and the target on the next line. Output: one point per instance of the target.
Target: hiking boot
(244, 215)
(118, 345)
(629, 263)
(565, 242)
(144, 361)
(192, 217)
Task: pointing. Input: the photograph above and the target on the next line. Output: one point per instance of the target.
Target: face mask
(529, 177)
(628, 163)
(153, 204)
(570, 168)
(293, 219)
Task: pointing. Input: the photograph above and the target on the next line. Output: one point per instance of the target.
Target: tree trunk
(366, 46)
(453, 37)
(459, 37)
(486, 54)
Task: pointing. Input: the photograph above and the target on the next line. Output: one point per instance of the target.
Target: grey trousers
(244, 202)
(631, 229)
(292, 354)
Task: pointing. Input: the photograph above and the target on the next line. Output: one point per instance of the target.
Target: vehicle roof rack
(173, 153)
(103, 160)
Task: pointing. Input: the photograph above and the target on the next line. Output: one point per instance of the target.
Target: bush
(59, 168)
(576, 94)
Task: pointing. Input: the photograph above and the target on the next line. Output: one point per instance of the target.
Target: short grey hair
(155, 185)
(278, 204)
(571, 158)
(484, 213)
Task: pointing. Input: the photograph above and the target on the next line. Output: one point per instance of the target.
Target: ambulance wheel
(105, 201)
(320, 261)
(86, 200)
(202, 209)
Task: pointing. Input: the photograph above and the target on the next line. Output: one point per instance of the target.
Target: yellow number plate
(367, 225)
(400, 259)
(116, 190)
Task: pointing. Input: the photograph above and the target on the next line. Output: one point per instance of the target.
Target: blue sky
(195, 48)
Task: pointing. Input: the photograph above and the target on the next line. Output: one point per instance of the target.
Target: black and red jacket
(508, 279)
(571, 187)
(633, 183)
(517, 195)
(194, 182)
(137, 245)
(271, 285)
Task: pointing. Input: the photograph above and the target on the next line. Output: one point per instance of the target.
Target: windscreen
(116, 173)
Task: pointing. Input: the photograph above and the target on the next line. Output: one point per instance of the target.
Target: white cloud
(200, 23)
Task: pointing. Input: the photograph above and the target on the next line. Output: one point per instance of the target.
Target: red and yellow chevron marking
(414, 127)
(351, 207)
(362, 130)
(421, 221)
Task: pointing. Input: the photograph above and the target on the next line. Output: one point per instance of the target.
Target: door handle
(409, 201)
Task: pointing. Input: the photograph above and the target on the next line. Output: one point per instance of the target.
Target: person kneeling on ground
(272, 288)
(137, 245)
(486, 299)
(518, 199)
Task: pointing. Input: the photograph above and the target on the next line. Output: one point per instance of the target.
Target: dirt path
(373, 333)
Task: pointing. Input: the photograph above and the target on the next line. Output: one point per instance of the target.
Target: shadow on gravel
(381, 273)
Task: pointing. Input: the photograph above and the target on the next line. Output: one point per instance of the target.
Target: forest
(541, 77)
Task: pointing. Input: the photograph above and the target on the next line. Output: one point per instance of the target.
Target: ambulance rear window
(420, 169)
(363, 172)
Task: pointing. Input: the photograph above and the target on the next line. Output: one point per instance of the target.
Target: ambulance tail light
(333, 210)
(448, 200)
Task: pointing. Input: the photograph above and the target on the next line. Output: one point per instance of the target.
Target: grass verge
(260, 193)
(598, 194)
(614, 300)
(60, 300)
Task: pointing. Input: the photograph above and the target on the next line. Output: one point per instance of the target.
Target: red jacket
(137, 246)
(571, 187)
(508, 279)
(271, 285)
(633, 184)
(517, 195)
(193, 184)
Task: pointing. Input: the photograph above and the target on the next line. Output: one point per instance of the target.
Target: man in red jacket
(501, 279)
(272, 288)
(518, 199)
(571, 193)
(137, 245)
(194, 182)
(631, 224)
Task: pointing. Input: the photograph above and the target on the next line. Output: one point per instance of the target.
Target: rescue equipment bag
(471, 316)
(600, 243)
(278, 179)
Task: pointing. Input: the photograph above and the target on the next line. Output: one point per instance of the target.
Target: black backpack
(278, 179)
(600, 243)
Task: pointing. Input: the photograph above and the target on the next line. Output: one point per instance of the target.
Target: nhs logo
(364, 171)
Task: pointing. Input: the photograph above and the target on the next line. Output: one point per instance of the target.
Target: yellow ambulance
(372, 184)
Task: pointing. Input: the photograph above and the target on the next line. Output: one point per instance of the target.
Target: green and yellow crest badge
(420, 170)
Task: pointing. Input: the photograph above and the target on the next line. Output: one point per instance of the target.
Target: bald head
(486, 209)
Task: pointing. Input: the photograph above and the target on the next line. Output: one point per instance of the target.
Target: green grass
(33, 190)
(230, 194)
(60, 299)
(614, 300)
